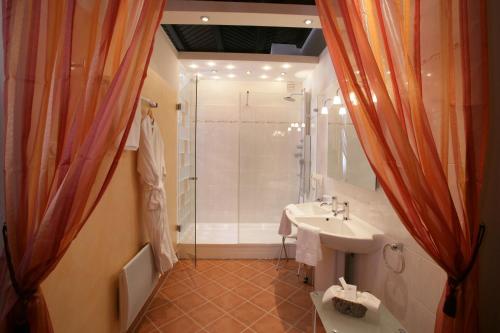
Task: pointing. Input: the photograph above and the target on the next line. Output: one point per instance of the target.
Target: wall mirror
(346, 160)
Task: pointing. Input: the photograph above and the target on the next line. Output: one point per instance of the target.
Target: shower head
(290, 98)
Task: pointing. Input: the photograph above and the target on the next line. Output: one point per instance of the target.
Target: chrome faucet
(344, 210)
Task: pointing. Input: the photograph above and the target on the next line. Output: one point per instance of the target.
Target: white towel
(285, 228)
(308, 246)
(371, 302)
(135, 130)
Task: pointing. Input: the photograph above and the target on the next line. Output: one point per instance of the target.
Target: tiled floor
(226, 296)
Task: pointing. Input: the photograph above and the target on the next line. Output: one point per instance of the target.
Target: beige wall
(81, 292)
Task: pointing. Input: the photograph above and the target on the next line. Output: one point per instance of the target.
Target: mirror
(346, 159)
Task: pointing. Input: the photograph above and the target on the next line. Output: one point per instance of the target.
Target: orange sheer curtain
(73, 74)
(414, 78)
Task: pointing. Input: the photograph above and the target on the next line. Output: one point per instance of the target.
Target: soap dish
(349, 308)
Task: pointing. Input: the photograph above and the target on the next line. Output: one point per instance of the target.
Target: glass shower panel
(186, 165)
(271, 162)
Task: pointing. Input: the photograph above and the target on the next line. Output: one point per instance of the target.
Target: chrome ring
(397, 247)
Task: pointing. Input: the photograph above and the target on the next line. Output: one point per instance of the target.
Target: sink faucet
(333, 204)
(344, 210)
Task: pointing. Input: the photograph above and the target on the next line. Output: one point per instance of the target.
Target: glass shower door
(271, 149)
(186, 175)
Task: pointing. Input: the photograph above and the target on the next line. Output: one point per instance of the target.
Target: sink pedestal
(329, 269)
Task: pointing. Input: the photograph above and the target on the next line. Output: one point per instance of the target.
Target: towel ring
(396, 247)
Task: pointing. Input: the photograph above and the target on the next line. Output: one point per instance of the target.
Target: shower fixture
(290, 98)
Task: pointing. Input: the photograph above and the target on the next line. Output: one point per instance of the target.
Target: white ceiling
(265, 69)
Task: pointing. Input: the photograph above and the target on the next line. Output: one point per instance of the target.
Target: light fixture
(303, 125)
(231, 76)
(428, 74)
(215, 77)
(263, 76)
(324, 109)
(342, 111)
(248, 72)
(230, 66)
(299, 129)
(213, 71)
(266, 67)
(193, 66)
(282, 73)
(286, 66)
(289, 129)
(308, 21)
(279, 79)
(336, 99)
(211, 64)
(204, 18)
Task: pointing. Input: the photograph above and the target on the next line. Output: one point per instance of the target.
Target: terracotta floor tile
(215, 273)
(247, 290)
(247, 272)
(276, 273)
(247, 313)
(231, 265)
(263, 280)
(196, 280)
(176, 290)
(230, 281)
(302, 299)
(211, 290)
(282, 289)
(145, 326)
(306, 323)
(158, 299)
(182, 325)
(225, 324)
(291, 278)
(269, 324)
(189, 301)
(180, 275)
(266, 300)
(288, 312)
(262, 265)
(206, 314)
(228, 301)
(164, 314)
(294, 330)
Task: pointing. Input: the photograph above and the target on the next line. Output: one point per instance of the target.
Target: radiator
(137, 281)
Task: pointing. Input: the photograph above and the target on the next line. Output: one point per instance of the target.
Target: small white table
(335, 322)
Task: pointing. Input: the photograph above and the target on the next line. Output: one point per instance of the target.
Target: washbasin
(353, 235)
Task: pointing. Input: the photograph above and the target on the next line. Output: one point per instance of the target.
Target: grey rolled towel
(349, 308)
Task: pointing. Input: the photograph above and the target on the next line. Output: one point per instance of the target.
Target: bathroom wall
(244, 154)
(412, 296)
(82, 292)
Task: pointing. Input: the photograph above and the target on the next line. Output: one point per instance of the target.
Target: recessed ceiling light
(204, 18)
(308, 21)
(213, 71)
(248, 72)
(230, 66)
(193, 66)
(282, 73)
(199, 74)
(211, 64)
(428, 74)
(215, 77)
(264, 76)
(231, 76)
(286, 66)
(279, 79)
(266, 67)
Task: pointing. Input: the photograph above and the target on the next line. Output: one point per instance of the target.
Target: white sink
(351, 236)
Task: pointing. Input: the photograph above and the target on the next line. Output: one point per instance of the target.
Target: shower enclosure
(251, 161)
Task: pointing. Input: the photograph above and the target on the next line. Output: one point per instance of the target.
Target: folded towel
(134, 133)
(285, 228)
(368, 300)
(308, 246)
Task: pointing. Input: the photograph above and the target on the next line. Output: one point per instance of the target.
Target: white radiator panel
(137, 280)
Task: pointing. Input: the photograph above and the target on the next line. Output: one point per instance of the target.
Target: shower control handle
(193, 178)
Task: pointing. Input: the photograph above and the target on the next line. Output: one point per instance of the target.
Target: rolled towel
(308, 246)
(285, 228)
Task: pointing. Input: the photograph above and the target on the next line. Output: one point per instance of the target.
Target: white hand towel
(285, 228)
(134, 134)
(308, 246)
(371, 302)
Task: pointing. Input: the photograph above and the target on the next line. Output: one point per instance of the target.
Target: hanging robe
(152, 170)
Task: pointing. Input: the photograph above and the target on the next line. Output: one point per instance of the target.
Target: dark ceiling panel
(226, 38)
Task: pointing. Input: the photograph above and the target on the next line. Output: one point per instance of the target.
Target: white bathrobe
(151, 167)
